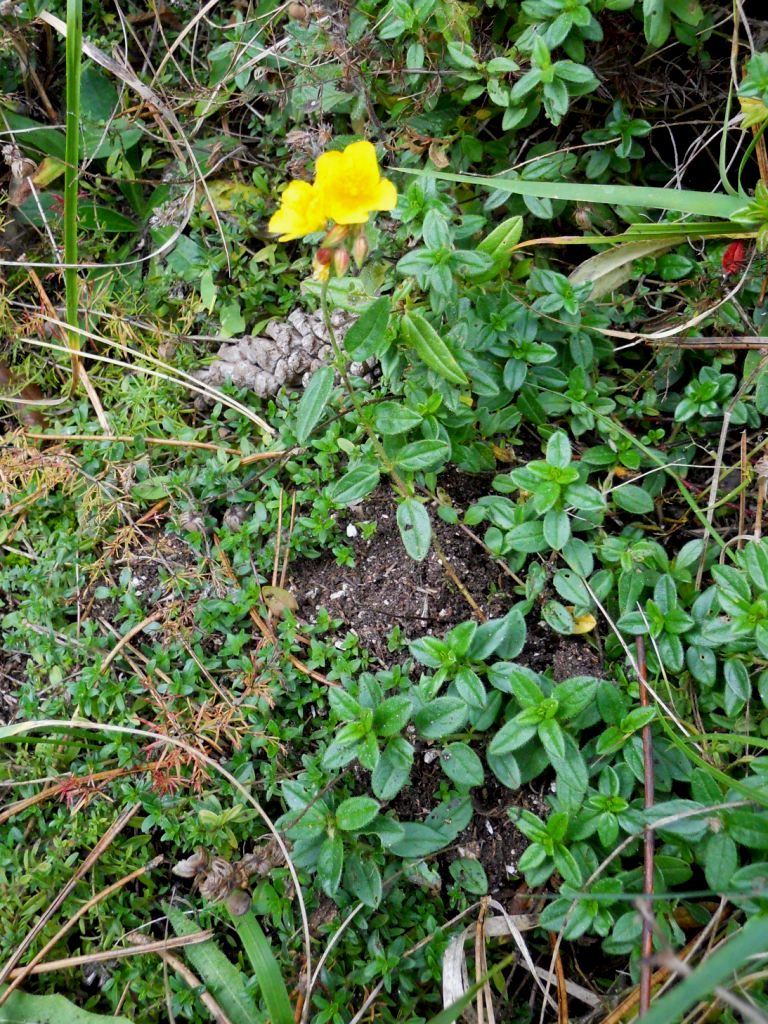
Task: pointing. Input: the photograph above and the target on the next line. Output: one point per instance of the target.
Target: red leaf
(733, 258)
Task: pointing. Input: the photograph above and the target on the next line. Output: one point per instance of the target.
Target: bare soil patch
(386, 589)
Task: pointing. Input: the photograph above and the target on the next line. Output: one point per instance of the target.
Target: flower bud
(298, 12)
(321, 268)
(324, 257)
(336, 235)
(360, 250)
(341, 262)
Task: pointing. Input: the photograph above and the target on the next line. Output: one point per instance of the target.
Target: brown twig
(114, 830)
(78, 369)
(450, 572)
(648, 839)
(127, 637)
(175, 942)
(562, 992)
(741, 341)
(166, 442)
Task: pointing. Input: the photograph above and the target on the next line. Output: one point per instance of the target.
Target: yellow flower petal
(301, 212)
(387, 197)
(360, 158)
(351, 184)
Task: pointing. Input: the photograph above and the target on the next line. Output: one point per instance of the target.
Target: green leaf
(574, 695)
(721, 860)
(632, 499)
(552, 739)
(462, 765)
(226, 983)
(391, 716)
(557, 617)
(470, 875)
(363, 879)
(510, 737)
(330, 861)
(556, 528)
(355, 484)
(265, 968)
(231, 318)
(441, 717)
(570, 587)
(527, 537)
(343, 703)
(391, 418)
(356, 812)
(22, 1008)
(421, 336)
(314, 400)
(419, 840)
(559, 450)
(504, 637)
(505, 768)
(393, 770)
(366, 335)
(415, 528)
(428, 454)
(501, 241)
(755, 558)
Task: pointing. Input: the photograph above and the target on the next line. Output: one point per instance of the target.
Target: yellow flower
(351, 184)
(301, 212)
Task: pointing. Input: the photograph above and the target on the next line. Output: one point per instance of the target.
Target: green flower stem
(71, 173)
(341, 366)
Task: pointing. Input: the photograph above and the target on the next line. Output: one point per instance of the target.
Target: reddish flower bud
(341, 262)
(324, 257)
(336, 235)
(360, 250)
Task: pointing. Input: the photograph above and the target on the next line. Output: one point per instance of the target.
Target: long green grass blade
(265, 968)
(225, 982)
(713, 971)
(702, 204)
(71, 168)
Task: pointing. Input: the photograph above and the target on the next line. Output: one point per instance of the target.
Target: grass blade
(265, 968)
(711, 972)
(225, 982)
(702, 204)
(71, 172)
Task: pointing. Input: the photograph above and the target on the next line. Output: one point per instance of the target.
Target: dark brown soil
(386, 588)
(492, 837)
(157, 560)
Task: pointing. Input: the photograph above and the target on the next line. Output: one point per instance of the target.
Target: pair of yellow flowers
(348, 187)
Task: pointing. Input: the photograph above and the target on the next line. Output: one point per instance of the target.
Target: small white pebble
(351, 530)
